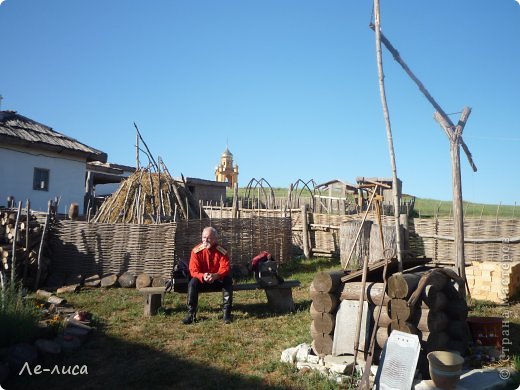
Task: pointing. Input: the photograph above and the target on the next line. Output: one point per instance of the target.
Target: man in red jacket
(209, 265)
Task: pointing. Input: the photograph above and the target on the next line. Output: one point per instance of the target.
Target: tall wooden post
(395, 184)
(454, 134)
(458, 215)
(305, 233)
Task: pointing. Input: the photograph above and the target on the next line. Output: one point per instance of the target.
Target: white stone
(289, 355)
(343, 359)
(313, 359)
(302, 352)
(341, 368)
(317, 367)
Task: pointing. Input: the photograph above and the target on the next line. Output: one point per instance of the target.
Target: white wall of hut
(66, 177)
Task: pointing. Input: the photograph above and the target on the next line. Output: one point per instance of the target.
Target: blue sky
(290, 85)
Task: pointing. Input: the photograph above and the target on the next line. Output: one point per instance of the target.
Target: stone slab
(344, 332)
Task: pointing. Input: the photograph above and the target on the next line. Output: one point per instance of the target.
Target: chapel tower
(225, 171)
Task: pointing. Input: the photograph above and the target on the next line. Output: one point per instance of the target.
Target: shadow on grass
(116, 363)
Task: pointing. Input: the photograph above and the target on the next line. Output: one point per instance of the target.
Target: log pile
(148, 197)
(28, 234)
(325, 298)
(377, 301)
(430, 304)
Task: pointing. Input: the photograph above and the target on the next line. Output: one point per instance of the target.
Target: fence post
(305, 233)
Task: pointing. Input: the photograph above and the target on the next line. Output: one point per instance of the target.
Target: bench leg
(280, 299)
(152, 303)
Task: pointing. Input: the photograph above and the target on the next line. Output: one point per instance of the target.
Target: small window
(41, 179)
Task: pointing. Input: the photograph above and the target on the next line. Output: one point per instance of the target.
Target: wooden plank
(375, 269)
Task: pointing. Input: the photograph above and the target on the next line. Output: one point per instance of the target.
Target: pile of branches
(148, 197)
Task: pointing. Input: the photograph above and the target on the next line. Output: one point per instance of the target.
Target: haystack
(149, 197)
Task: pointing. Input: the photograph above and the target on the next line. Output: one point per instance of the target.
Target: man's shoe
(188, 319)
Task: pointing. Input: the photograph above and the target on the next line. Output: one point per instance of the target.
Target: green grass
(129, 351)
(430, 207)
(18, 317)
(424, 207)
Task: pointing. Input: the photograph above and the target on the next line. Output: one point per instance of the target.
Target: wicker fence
(99, 248)
(484, 239)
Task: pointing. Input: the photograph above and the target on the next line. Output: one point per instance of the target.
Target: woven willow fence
(484, 239)
(99, 248)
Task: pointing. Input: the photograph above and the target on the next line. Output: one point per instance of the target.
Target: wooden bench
(279, 297)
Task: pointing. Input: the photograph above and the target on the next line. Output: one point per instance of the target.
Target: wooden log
(159, 282)
(322, 345)
(143, 280)
(402, 285)
(324, 322)
(43, 293)
(56, 300)
(327, 281)
(399, 310)
(373, 292)
(68, 289)
(457, 310)
(153, 302)
(382, 335)
(404, 326)
(459, 346)
(109, 281)
(316, 331)
(127, 280)
(435, 341)
(459, 330)
(324, 302)
(384, 318)
(92, 281)
(433, 299)
(431, 321)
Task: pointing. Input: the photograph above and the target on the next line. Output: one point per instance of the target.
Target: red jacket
(212, 260)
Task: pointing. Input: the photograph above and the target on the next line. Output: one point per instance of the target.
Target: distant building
(206, 190)
(225, 171)
(40, 164)
(106, 177)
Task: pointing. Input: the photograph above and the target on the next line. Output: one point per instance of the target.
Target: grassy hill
(425, 207)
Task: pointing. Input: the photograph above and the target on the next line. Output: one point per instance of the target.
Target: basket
(486, 330)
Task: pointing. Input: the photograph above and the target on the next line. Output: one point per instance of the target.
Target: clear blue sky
(291, 85)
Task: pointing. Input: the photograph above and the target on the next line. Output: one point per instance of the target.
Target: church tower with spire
(225, 171)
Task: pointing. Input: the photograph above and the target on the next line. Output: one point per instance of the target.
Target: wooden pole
(395, 185)
(13, 256)
(136, 150)
(235, 200)
(305, 233)
(454, 135)
(45, 227)
(458, 217)
(26, 262)
(360, 310)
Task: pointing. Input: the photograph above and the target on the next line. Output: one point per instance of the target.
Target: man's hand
(210, 278)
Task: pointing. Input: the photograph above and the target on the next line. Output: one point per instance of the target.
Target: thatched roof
(145, 197)
(19, 130)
